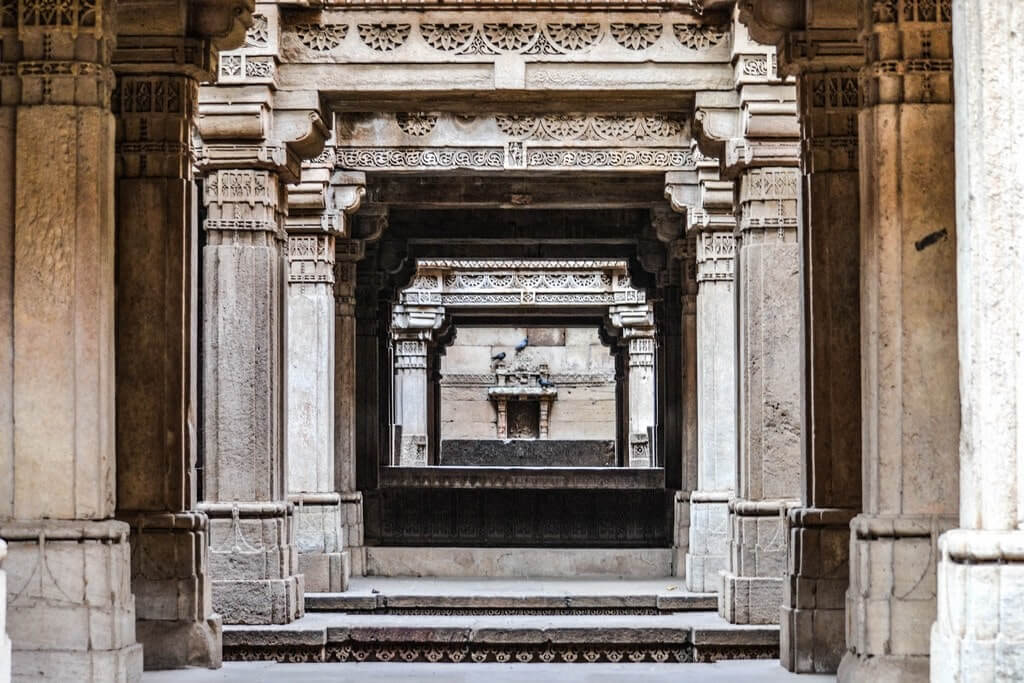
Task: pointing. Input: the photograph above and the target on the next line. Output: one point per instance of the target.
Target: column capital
(635, 320)
(706, 199)
(411, 322)
(716, 256)
(323, 199)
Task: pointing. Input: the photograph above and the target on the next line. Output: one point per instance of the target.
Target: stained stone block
(73, 615)
(709, 544)
(320, 540)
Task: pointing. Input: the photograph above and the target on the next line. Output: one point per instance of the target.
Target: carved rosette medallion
(384, 37)
(636, 36)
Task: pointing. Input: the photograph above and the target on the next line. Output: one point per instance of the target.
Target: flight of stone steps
(471, 620)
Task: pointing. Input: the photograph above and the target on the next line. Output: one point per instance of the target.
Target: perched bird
(522, 345)
(498, 356)
(545, 382)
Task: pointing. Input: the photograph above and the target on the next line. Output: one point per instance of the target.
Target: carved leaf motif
(417, 124)
(447, 37)
(573, 36)
(517, 125)
(564, 126)
(258, 34)
(510, 37)
(320, 37)
(698, 37)
(636, 36)
(384, 37)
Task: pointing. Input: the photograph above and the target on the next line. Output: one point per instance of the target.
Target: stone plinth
(71, 612)
(709, 540)
(320, 542)
(254, 563)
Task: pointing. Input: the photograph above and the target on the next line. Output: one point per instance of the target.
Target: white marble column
(641, 394)
(413, 331)
(909, 366)
(979, 634)
(68, 560)
(716, 408)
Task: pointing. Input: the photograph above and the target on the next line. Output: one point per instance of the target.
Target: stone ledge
(480, 477)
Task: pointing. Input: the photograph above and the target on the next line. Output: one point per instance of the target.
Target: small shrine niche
(522, 401)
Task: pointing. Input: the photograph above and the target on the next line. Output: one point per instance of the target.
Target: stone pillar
(70, 610)
(255, 568)
(910, 394)
(979, 634)
(315, 218)
(768, 295)
(156, 356)
(5, 642)
(716, 405)
(347, 253)
(813, 613)
(413, 331)
(637, 325)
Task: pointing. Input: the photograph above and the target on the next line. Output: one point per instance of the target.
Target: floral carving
(517, 125)
(510, 37)
(447, 37)
(384, 37)
(417, 124)
(564, 126)
(259, 68)
(321, 37)
(258, 34)
(573, 36)
(636, 36)
(698, 37)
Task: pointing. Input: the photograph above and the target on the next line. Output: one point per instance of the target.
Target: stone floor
(754, 671)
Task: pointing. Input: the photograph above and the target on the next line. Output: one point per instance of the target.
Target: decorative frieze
(310, 258)
(536, 33)
(154, 121)
(716, 256)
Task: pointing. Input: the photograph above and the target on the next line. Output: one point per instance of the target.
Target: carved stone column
(315, 218)
(979, 634)
(637, 325)
(413, 330)
(5, 642)
(68, 560)
(911, 410)
(708, 203)
(155, 104)
(813, 613)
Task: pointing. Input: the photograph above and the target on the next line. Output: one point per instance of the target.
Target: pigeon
(545, 382)
(498, 356)
(522, 345)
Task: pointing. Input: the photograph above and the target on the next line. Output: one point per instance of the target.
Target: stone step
(631, 563)
(479, 596)
(679, 637)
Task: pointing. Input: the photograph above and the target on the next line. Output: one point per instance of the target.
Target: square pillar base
(979, 635)
(813, 637)
(254, 563)
(890, 605)
(352, 523)
(709, 540)
(71, 613)
(749, 599)
(320, 539)
(175, 621)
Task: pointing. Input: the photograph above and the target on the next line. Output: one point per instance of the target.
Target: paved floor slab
(754, 671)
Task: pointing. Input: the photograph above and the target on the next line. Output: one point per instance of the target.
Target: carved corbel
(716, 120)
(667, 224)
(349, 189)
(768, 21)
(371, 222)
(304, 131)
(682, 190)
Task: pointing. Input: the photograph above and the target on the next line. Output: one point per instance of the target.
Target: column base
(320, 538)
(170, 580)
(813, 626)
(253, 563)
(856, 668)
(751, 591)
(352, 523)
(71, 613)
(890, 605)
(180, 644)
(708, 554)
(978, 633)
(749, 600)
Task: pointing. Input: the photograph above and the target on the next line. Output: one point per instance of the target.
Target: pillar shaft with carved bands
(908, 338)
(57, 284)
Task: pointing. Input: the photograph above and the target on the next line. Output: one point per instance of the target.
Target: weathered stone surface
(512, 562)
